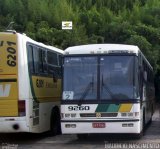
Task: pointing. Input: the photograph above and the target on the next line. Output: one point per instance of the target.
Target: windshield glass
(117, 77)
(100, 78)
(80, 78)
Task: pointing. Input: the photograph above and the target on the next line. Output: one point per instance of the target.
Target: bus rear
(10, 107)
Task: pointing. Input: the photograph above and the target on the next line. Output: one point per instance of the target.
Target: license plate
(98, 125)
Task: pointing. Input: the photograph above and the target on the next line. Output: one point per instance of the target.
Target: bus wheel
(82, 136)
(150, 121)
(143, 124)
(55, 127)
(138, 136)
(143, 129)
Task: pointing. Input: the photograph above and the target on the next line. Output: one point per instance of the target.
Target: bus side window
(30, 59)
(42, 61)
(36, 59)
(52, 63)
(60, 60)
(60, 64)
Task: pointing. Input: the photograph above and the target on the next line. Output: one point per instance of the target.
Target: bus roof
(102, 48)
(28, 39)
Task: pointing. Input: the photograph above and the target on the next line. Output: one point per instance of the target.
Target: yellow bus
(30, 85)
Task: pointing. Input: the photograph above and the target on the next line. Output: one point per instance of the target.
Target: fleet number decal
(11, 54)
(78, 108)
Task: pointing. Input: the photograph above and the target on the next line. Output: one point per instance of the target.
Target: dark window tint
(30, 58)
(42, 61)
(60, 60)
(36, 57)
(53, 64)
(52, 58)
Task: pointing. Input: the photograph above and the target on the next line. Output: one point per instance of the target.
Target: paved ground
(150, 140)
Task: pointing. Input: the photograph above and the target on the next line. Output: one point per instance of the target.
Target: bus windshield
(100, 78)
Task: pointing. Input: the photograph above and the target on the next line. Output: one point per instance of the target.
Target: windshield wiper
(108, 91)
(86, 91)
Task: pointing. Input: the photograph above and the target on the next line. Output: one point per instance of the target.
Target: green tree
(94, 21)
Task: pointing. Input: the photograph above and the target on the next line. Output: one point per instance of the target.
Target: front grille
(95, 115)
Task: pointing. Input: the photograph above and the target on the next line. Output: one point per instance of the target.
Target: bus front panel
(100, 118)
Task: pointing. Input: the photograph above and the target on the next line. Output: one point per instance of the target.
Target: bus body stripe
(114, 107)
(125, 107)
(102, 108)
(8, 80)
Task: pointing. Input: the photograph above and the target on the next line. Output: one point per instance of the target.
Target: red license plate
(98, 125)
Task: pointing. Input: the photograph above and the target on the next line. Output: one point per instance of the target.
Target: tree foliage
(94, 21)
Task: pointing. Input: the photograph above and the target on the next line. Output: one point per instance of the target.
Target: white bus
(30, 85)
(107, 88)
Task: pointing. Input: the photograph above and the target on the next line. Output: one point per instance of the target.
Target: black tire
(144, 125)
(82, 136)
(55, 128)
(150, 121)
(144, 119)
(138, 136)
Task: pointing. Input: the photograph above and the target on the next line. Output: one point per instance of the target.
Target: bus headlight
(70, 125)
(130, 114)
(69, 115)
(123, 114)
(136, 114)
(127, 125)
(73, 115)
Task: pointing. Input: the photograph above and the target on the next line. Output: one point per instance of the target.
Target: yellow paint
(8, 103)
(8, 71)
(67, 24)
(45, 89)
(8, 53)
(125, 107)
(8, 108)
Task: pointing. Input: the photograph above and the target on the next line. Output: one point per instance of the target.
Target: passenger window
(40, 63)
(52, 58)
(60, 60)
(44, 61)
(30, 59)
(54, 64)
(36, 59)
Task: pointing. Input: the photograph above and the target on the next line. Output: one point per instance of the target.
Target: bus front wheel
(138, 136)
(55, 127)
(82, 136)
